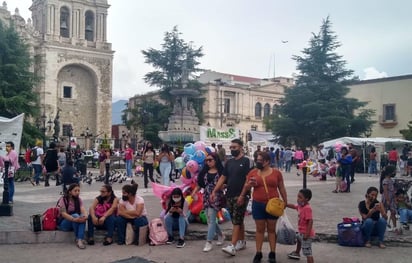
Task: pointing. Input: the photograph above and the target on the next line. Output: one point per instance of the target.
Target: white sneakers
(208, 246)
(240, 245)
(220, 240)
(229, 250)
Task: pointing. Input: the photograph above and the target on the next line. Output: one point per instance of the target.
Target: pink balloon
(199, 145)
(192, 166)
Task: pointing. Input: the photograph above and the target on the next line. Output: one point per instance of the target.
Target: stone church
(68, 42)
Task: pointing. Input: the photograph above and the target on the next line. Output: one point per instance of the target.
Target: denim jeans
(372, 167)
(165, 169)
(346, 175)
(78, 228)
(129, 168)
(108, 224)
(11, 189)
(375, 228)
(213, 228)
(178, 223)
(288, 164)
(405, 215)
(37, 172)
(121, 223)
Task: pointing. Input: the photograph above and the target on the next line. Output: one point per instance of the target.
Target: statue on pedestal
(57, 126)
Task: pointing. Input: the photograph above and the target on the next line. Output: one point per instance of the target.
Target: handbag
(275, 206)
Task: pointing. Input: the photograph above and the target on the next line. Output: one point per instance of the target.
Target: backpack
(33, 154)
(157, 232)
(50, 218)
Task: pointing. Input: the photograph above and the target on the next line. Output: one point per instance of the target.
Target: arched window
(64, 22)
(89, 26)
(274, 109)
(258, 110)
(266, 110)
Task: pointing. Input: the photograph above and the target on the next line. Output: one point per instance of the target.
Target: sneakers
(80, 244)
(272, 257)
(208, 246)
(240, 245)
(294, 255)
(220, 240)
(180, 243)
(229, 250)
(258, 257)
(170, 240)
(405, 226)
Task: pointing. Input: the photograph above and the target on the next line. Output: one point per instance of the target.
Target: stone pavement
(328, 210)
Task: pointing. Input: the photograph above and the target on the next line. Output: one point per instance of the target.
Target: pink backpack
(157, 232)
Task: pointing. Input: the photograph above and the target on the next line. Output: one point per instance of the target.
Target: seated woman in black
(102, 214)
(373, 217)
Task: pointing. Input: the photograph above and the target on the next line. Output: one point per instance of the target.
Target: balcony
(386, 123)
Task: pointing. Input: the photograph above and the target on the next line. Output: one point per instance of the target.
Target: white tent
(376, 141)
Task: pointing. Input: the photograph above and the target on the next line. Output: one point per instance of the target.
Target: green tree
(17, 81)
(316, 108)
(170, 63)
(407, 133)
(149, 116)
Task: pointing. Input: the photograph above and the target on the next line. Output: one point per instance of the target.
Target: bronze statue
(57, 125)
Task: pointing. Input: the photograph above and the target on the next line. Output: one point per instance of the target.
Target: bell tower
(74, 61)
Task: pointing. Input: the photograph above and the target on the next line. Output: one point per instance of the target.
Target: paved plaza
(328, 209)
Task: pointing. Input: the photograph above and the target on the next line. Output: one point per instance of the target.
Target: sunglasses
(209, 160)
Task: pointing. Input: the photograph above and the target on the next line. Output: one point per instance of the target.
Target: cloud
(373, 73)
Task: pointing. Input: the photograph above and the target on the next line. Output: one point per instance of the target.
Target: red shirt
(305, 214)
(393, 156)
(128, 153)
(272, 182)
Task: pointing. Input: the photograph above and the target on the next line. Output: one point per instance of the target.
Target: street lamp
(86, 134)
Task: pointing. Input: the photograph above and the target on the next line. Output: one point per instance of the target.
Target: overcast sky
(244, 37)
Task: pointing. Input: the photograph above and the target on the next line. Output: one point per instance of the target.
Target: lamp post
(86, 134)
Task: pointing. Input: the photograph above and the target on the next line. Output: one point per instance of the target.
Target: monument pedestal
(6, 210)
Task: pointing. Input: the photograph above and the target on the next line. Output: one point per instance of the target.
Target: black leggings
(148, 173)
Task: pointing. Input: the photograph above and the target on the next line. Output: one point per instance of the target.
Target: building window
(389, 112)
(67, 130)
(89, 23)
(64, 22)
(274, 109)
(266, 110)
(67, 92)
(258, 110)
(226, 106)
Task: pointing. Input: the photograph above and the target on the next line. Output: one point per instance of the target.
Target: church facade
(68, 42)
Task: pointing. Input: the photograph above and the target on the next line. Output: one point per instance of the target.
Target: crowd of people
(225, 183)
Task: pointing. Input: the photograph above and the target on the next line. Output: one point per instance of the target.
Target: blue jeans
(11, 189)
(129, 168)
(346, 175)
(213, 228)
(165, 169)
(37, 172)
(178, 223)
(288, 164)
(108, 224)
(372, 167)
(78, 228)
(121, 223)
(405, 215)
(375, 228)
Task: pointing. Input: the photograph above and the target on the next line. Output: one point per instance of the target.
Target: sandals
(381, 245)
(368, 245)
(334, 191)
(107, 242)
(90, 242)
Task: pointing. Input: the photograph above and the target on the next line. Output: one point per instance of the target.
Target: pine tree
(316, 108)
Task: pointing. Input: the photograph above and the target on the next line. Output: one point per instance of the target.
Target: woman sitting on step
(73, 214)
(102, 215)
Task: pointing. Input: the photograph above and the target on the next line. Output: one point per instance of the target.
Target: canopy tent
(376, 141)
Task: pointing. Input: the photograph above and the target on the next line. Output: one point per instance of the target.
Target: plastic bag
(285, 233)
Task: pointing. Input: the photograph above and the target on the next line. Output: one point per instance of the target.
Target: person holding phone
(73, 214)
(373, 217)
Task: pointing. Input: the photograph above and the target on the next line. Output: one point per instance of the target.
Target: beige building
(234, 101)
(391, 99)
(68, 42)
